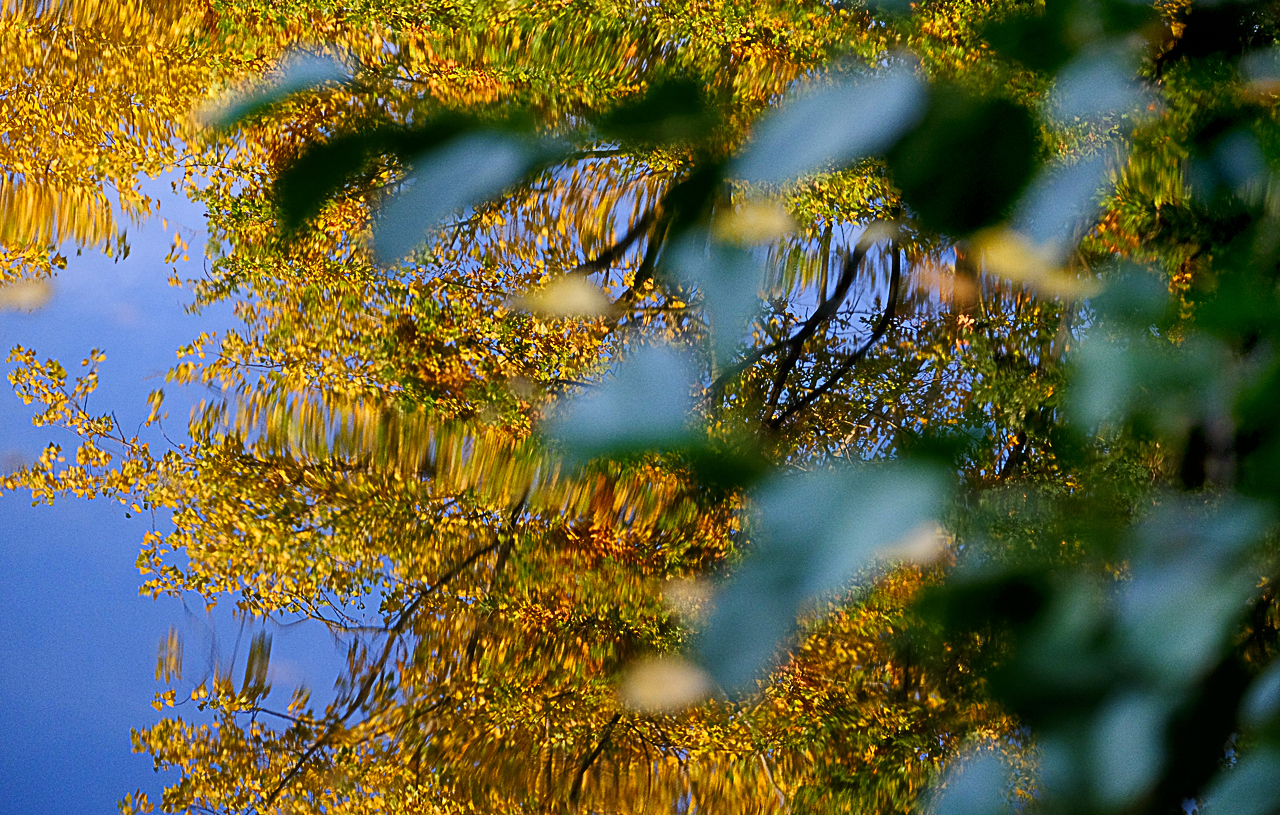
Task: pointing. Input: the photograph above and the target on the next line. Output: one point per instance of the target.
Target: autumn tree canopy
(791, 407)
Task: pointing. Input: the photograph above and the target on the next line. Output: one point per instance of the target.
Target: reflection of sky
(78, 654)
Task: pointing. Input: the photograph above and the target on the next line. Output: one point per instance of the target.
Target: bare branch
(824, 312)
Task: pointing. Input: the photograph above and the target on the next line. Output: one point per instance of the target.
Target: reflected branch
(590, 758)
(614, 253)
(824, 312)
(375, 672)
(878, 332)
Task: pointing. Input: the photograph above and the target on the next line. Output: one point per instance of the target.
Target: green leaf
(963, 166)
(1060, 204)
(816, 531)
(1044, 40)
(1098, 82)
(1187, 589)
(688, 203)
(324, 168)
(834, 125)
(1140, 378)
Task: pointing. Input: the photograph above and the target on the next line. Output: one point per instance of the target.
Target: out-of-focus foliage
(576, 338)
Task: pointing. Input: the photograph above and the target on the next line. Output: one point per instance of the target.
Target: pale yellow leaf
(923, 545)
(567, 296)
(756, 222)
(1012, 255)
(25, 295)
(664, 685)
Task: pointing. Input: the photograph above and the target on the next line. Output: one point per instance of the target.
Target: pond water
(77, 662)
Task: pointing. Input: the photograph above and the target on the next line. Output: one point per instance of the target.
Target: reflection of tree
(377, 448)
(373, 442)
(96, 95)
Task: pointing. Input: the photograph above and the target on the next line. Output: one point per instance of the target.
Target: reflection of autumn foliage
(97, 95)
(375, 444)
(371, 461)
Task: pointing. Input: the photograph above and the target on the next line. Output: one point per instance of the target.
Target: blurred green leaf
(1229, 160)
(1138, 377)
(974, 785)
(1100, 81)
(672, 111)
(1062, 654)
(963, 166)
(1262, 702)
(724, 465)
(459, 174)
(1175, 620)
(688, 203)
(646, 405)
(1187, 589)
(298, 72)
(1043, 37)
(1252, 787)
(323, 168)
(1128, 747)
(730, 279)
(832, 126)
(302, 188)
(1135, 298)
(1040, 40)
(1060, 205)
(815, 532)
